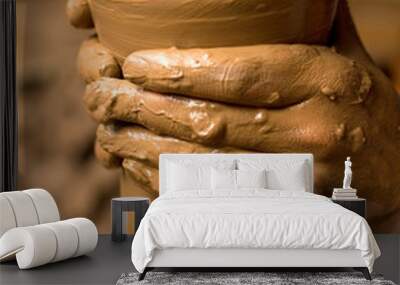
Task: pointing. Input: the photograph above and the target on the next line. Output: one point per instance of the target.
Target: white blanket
(250, 219)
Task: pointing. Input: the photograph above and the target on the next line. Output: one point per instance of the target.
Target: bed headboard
(307, 157)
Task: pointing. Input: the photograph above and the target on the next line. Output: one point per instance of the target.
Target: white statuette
(347, 174)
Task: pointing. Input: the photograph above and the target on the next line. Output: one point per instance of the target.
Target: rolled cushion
(41, 244)
(23, 208)
(46, 207)
(67, 240)
(33, 246)
(26, 208)
(7, 218)
(87, 234)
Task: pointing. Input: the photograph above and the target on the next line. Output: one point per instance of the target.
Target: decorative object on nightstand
(344, 194)
(357, 205)
(119, 207)
(347, 192)
(348, 174)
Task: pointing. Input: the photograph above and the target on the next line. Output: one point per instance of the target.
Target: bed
(247, 210)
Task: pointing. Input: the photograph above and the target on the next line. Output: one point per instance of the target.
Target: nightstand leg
(116, 212)
(140, 211)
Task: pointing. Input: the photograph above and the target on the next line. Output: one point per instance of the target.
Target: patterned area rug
(243, 278)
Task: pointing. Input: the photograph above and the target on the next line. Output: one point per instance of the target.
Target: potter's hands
(299, 99)
(219, 125)
(96, 61)
(270, 76)
(140, 150)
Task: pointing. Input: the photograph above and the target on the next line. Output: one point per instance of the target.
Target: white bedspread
(250, 219)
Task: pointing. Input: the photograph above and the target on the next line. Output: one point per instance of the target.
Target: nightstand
(357, 205)
(119, 206)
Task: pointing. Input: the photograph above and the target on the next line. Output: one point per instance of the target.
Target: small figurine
(347, 174)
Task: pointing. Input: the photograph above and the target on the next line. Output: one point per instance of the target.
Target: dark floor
(110, 260)
(103, 266)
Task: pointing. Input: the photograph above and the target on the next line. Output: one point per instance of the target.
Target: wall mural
(240, 76)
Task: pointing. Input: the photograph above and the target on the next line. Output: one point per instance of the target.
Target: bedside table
(357, 205)
(119, 206)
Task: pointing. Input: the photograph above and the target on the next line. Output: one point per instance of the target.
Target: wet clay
(126, 26)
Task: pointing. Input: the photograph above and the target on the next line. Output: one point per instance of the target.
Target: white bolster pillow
(26, 208)
(87, 235)
(7, 219)
(24, 211)
(32, 246)
(40, 244)
(45, 206)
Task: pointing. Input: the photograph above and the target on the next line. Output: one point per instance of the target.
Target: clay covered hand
(331, 102)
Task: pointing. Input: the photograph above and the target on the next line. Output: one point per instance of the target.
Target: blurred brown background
(56, 134)
(378, 23)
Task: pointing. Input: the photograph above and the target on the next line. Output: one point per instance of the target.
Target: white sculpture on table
(347, 174)
(347, 192)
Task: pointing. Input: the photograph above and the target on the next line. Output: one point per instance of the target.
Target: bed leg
(364, 271)
(143, 274)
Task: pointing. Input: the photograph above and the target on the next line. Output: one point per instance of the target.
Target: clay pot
(128, 25)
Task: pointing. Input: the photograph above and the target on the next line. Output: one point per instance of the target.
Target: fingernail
(139, 69)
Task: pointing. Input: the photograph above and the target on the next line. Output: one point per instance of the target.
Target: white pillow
(281, 174)
(251, 178)
(181, 178)
(203, 162)
(227, 179)
(188, 174)
(291, 179)
(223, 179)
